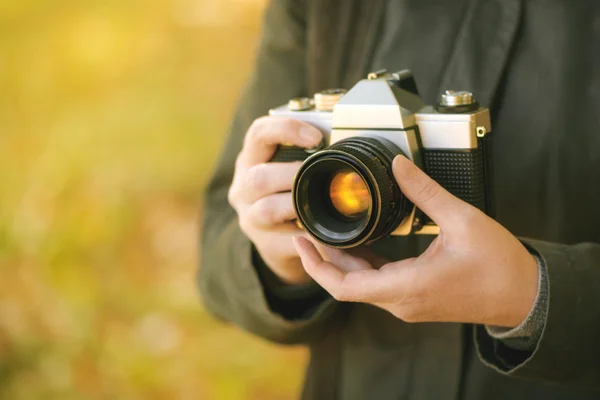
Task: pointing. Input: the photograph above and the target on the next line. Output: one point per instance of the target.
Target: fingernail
(297, 240)
(397, 164)
(298, 245)
(310, 135)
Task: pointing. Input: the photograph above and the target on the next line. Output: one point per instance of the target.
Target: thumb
(435, 201)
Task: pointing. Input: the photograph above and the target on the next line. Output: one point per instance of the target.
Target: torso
(546, 159)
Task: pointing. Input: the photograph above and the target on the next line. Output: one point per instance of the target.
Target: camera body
(449, 141)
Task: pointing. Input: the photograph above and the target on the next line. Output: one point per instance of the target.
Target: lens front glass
(349, 194)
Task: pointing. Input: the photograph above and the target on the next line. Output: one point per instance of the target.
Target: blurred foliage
(111, 117)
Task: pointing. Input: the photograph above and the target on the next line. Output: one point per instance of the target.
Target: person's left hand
(475, 271)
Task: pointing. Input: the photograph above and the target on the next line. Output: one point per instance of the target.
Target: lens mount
(371, 159)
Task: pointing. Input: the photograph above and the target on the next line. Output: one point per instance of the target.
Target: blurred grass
(111, 117)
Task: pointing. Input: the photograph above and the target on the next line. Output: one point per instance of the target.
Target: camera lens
(349, 194)
(346, 195)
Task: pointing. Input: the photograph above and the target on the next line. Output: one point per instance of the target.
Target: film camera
(345, 193)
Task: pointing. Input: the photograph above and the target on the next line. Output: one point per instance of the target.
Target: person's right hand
(261, 193)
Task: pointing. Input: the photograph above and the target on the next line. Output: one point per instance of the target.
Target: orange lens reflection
(349, 194)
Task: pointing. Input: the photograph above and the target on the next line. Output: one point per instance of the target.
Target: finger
(323, 272)
(363, 252)
(265, 179)
(343, 259)
(280, 241)
(435, 201)
(267, 133)
(366, 285)
(272, 210)
(277, 250)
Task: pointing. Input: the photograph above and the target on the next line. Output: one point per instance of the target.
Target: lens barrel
(371, 159)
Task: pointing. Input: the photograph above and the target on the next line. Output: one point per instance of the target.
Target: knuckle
(466, 219)
(409, 313)
(258, 178)
(257, 129)
(265, 212)
(253, 133)
(255, 126)
(429, 191)
(232, 196)
(238, 165)
(339, 294)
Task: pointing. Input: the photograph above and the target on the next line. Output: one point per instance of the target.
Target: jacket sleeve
(231, 284)
(568, 350)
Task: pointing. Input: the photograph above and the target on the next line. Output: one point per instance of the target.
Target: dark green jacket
(536, 64)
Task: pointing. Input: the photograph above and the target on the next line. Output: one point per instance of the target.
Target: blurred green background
(111, 117)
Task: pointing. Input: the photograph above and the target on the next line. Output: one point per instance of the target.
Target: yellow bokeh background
(112, 114)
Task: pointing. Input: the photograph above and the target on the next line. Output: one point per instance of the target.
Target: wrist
(519, 299)
(285, 273)
(291, 273)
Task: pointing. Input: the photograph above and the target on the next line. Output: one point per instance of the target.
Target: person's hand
(475, 271)
(261, 193)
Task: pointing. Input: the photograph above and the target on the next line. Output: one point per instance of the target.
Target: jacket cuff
(527, 334)
(293, 302)
(566, 351)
